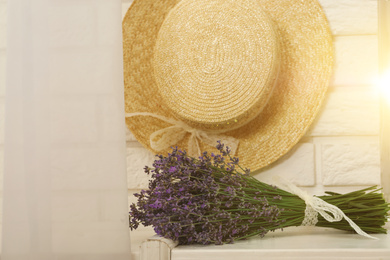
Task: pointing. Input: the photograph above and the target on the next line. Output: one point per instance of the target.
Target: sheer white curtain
(65, 193)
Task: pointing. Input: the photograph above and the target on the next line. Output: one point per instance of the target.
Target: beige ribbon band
(318, 206)
(169, 136)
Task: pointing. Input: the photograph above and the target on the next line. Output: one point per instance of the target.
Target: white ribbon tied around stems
(315, 206)
(169, 136)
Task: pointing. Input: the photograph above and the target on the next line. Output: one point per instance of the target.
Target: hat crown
(212, 57)
(216, 62)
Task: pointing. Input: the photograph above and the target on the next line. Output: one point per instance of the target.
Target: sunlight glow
(384, 85)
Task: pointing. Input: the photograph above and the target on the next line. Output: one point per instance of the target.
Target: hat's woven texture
(216, 74)
(302, 48)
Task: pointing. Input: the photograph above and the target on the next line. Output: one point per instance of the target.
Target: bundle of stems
(366, 207)
(212, 199)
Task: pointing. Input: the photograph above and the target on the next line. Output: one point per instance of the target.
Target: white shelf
(292, 243)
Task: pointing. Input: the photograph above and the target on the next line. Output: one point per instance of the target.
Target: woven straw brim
(306, 65)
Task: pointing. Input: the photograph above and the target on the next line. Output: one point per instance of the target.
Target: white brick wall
(351, 17)
(356, 60)
(348, 111)
(340, 150)
(351, 163)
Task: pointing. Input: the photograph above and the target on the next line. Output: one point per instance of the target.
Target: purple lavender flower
(205, 200)
(212, 199)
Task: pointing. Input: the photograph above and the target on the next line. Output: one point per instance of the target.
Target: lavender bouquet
(212, 199)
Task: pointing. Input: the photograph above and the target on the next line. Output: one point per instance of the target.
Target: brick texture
(350, 164)
(296, 166)
(351, 17)
(356, 60)
(137, 158)
(348, 111)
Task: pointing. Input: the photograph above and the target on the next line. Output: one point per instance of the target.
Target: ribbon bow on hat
(171, 135)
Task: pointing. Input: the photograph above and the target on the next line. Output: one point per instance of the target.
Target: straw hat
(252, 73)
